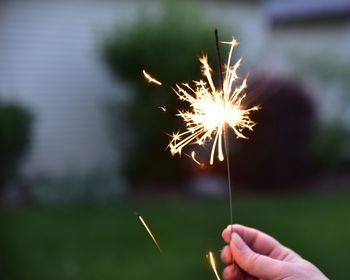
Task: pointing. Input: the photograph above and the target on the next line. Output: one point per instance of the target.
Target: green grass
(108, 242)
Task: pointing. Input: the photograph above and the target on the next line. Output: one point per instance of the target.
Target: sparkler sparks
(150, 233)
(213, 265)
(212, 109)
(150, 79)
(193, 156)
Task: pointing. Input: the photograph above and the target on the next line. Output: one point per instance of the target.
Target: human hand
(252, 254)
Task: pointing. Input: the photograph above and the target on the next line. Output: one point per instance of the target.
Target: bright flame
(150, 233)
(213, 265)
(150, 78)
(212, 109)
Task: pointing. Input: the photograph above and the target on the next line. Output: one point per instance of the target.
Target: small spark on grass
(150, 233)
(213, 265)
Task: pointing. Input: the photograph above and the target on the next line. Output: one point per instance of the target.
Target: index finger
(258, 241)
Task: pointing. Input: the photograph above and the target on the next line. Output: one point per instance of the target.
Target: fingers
(255, 264)
(233, 272)
(229, 273)
(258, 241)
(227, 233)
(226, 255)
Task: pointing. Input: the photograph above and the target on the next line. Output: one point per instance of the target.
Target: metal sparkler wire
(226, 142)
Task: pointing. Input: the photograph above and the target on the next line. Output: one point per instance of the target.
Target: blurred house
(49, 59)
(310, 27)
(311, 40)
(304, 40)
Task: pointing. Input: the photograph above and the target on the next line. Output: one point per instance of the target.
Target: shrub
(332, 137)
(331, 147)
(167, 47)
(15, 131)
(278, 153)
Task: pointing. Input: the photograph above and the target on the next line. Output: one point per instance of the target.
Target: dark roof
(307, 11)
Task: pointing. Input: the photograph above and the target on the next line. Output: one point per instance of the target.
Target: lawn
(108, 242)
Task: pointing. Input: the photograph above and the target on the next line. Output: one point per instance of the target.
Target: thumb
(257, 265)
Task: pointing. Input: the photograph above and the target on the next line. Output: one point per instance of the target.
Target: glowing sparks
(193, 156)
(212, 109)
(163, 108)
(150, 233)
(213, 265)
(150, 79)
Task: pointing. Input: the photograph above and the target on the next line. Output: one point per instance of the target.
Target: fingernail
(238, 242)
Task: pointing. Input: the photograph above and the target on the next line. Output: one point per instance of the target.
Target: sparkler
(212, 111)
(150, 233)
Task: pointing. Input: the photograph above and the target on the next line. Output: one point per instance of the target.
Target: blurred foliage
(278, 154)
(332, 147)
(332, 136)
(167, 46)
(89, 242)
(15, 135)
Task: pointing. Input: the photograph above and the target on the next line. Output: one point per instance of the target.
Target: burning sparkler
(212, 109)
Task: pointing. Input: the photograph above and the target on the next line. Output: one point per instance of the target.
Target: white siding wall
(48, 60)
